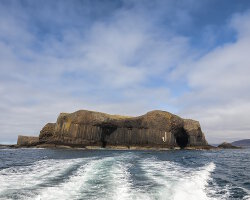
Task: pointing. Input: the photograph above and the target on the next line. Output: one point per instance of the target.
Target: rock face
(27, 141)
(154, 129)
(47, 132)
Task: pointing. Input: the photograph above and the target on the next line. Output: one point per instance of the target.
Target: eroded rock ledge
(155, 129)
(27, 141)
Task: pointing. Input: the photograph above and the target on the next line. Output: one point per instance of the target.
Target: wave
(20, 181)
(172, 181)
(105, 178)
(121, 176)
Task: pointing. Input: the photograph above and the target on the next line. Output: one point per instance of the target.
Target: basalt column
(159, 129)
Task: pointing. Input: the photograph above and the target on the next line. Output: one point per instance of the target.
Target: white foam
(121, 182)
(246, 197)
(71, 188)
(109, 178)
(193, 186)
(29, 177)
(106, 178)
(122, 187)
(177, 183)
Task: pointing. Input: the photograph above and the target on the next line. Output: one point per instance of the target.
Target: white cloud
(220, 85)
(114, 66)
(106, 68)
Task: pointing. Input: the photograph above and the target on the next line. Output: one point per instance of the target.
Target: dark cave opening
(182, 138)
(107, 130)
(104, 144)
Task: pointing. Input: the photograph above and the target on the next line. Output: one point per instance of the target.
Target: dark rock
(4, 146)
(47, 132)
(27, 141)
(195, 136)
(226, 145)
(158, 129)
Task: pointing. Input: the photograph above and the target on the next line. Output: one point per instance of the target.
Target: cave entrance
(104, 143)
(182, 139)
(107, 130)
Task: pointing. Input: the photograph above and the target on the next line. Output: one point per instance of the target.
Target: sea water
(108, 174)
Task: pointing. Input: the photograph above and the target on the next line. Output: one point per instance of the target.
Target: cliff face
(154, 129)
(27, 141)
(47, 132)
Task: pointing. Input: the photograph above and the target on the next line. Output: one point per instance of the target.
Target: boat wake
(124, 176)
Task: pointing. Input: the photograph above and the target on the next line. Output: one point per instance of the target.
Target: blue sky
(125, 57)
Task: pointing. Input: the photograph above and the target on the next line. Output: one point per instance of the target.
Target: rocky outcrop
(195, 135)
(27, 141)
(226, 145)
(156, 129)
(47, 132)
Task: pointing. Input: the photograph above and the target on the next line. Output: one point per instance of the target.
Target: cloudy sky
(189, 57)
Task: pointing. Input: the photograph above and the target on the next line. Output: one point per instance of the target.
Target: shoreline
(118, 147)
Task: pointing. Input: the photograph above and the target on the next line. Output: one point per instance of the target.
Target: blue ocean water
(108, 174)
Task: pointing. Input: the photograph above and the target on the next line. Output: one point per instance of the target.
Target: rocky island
(89, 129)
(226, 145)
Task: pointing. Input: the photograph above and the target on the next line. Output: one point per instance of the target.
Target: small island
(88, 129)
(226, 145)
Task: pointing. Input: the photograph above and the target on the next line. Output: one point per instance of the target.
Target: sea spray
(123, 175)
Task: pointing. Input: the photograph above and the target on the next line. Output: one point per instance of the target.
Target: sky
(188, 57)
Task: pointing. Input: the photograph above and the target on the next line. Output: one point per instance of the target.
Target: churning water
(105, 174)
